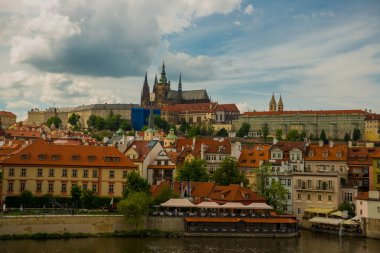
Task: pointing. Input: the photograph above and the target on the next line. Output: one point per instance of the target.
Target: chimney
(350, 144)
(193, 146)
(202, 151)
(331, 143)
(321, 143)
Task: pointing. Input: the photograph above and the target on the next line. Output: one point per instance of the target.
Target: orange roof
(142, 148)
(236, 220)
(162, 167)
(41, 153)
(252, 157)
(326, 153)
(5, 113)
(313, 112)
(211, 146)
(227, 107)
(362, 155)
(23, 133)
(234, 193)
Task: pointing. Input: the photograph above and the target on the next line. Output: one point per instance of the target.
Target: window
(41, 157)
(11, 172)
(94, 173)
(289, 182)
(51, 172)
(299, 183)
(112, 174)
(24, 157)
(84, 187)
(298, 210)
(332, 167)
(329, 198)
(308, 197)
(116, 159)
(283, 182)
(309, 184)
(319, 197)
(348, 196)
(85, 173)
(91, 158)
(94, 187)
(63, 187)
(289, 196)
(55, 157)
(64, 173)
(125, 173)
(299, 196)
(23, 172)
(75, 157)
(39, 187)
(330, 184)
(39, 172)
(22, 186)
(110, 188)
(74, 173)
(10, 186)
(124, 187)
(50, 187)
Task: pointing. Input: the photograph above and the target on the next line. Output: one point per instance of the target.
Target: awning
(319, 210)
(329, 221)
(337, 213)
(350, 222)
(210, 204)
(178, 203)
(234, 205)
(260, 206)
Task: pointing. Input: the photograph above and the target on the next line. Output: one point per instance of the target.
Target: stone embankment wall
(371, 228)
(82, 224)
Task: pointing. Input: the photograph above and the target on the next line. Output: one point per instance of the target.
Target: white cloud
(249, 9)
(244, 107)
(237, 23)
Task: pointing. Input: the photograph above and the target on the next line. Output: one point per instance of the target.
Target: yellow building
(372, 128)
(44, 168)
(374, 170)
(7, 119)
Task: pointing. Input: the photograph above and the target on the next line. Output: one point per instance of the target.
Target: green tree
(74, 119)
(347, 137)
(184, 127)
(265, 131)
(136, 183)
(302, 135)
(193, 171)
(262, 180)
(96, 122)
(165, 194)
(228, 173)
(161, 123)
(349, 207)
(76, 193)
(243, 130)
(356, 135)
(276, 195)
(323, 136)
(135, 207)
(125, 124)
(222, 132)
(293, 135)
(112, 121)
(54, 120)
(88, 198)
(26, 198)
(195, 130)
(207, 130)
(279, 134)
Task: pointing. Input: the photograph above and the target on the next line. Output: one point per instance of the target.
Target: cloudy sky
(318, 54)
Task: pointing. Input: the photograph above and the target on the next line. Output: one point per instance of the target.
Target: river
(309, 242)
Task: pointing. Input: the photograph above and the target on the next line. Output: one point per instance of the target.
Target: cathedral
(162, 94)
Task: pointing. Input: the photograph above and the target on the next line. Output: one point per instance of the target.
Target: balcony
(314, 189)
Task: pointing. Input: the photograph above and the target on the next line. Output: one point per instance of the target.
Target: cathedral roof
(188, 94)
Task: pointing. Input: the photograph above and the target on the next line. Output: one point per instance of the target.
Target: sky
(316, 54)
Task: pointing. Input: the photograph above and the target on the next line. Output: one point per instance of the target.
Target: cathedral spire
(280, 106)
(163, 74)
(180, 84)
(272, 104)
(145, 97)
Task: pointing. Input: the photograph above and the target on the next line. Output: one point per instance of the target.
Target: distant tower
(180, 88)
(155, 84)
(280, 106)
(161, 88)
(272, 104)
(145, 97)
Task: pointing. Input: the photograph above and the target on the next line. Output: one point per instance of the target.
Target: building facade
(7, 119)
(44, 168)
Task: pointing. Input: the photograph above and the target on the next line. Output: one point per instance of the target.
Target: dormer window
(325, 154)
(75, 157)
(116, 159)
(339, 154)
(311, 153)
(41, 157)
(25, 157)
(107, 159)
(55, 157)
(91, 158)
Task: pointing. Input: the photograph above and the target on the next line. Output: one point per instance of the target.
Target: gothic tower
(162, 88)
(280, 106)
(180, 89)
(145, 96)
(272, 104)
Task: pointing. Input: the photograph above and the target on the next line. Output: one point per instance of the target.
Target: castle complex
(163, 95)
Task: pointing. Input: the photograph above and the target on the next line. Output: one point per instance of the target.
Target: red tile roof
(252, 157)
(9, 114)
(141, 147)
(313, 112)
(234, 193)
(41, 153)
(23, 133)
(326, 153)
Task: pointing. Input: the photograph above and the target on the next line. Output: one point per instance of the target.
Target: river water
(309, 242)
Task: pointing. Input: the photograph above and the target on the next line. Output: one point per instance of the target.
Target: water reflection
(308, 242)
